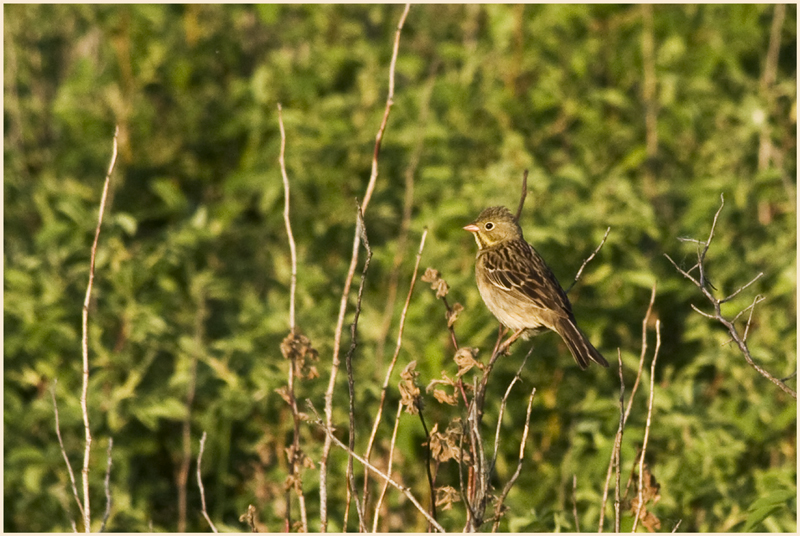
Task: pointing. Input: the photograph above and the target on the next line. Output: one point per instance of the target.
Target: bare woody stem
(647, 426)
(335, 362)
(87, 518)
(702, 283)
(295, 452)
(403, 489)
(614, 461)
(389, 371)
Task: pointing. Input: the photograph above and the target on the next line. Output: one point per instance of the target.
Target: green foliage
(193, 270)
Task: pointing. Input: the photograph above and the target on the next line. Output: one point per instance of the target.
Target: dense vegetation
(630, 117)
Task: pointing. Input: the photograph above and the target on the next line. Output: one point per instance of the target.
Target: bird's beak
(472, 228)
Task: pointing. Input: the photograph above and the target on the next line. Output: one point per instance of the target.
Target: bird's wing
(518, 269)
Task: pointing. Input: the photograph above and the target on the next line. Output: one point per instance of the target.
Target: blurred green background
(633, 117)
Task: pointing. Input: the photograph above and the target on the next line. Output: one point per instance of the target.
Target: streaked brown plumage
(520, 289)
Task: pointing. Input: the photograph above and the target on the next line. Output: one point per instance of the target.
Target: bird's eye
(489, 226)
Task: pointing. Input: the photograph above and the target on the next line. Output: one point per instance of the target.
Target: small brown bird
(520, 289)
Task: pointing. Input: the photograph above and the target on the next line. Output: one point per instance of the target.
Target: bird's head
(495, 225)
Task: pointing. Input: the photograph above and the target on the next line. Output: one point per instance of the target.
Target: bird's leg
(505, 346)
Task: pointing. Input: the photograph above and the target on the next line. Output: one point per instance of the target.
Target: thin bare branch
(64, 451)
(682, 272)
(756, 278)
(647, 426)
(588, 259)
(523, 195)
(716, 303)
(323, 464)
(107, 486)
(389, 371)
(200, 483)
(701, 258)
(362, 230)
(287, 221)
(408, 205)
(388, 468)
(499, 505)
(675, 528)
(758, 299)
(502, 410)
(403, 489)
(614, 461)
(87, 518)
(697, 310)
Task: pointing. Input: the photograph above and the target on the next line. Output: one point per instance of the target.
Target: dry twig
(614, 461)
(200, 483)
(498, 509)
(389, 371)
(647, 426)
(702, 283)
(295, 454)
(588, 259)
(323, 469)
(388, 468)
(64, 451)
(87, 518)
(361, 228)
(403, 489)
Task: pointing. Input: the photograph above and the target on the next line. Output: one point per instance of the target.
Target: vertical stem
(85, 342)
(335, 362)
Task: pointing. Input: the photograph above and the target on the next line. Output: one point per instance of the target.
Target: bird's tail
(582, 350)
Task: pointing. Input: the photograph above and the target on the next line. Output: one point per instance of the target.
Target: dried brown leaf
(410, 395)
(465, 359)
(445, 398)
(452, 314)
(446, 496)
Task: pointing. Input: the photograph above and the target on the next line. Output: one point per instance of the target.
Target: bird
(519, 288)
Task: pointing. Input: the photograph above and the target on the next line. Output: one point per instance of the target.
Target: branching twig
(588, 259)
(200, 483)
(404, 490)
(64, 451)
(87, 518)
(499, 506)
(323, 464)
(503, 409)
(647, 426)
(388, 468)
(614, 461)
(703, 284)
(361, 228)
(386, 380)
(295, 452)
